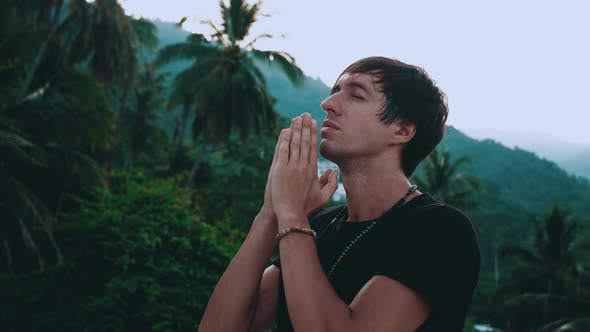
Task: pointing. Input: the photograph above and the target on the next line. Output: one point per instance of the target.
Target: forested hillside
(134, 157)
(514, 180)
(515, 183)
(513, 175)
(518, 176)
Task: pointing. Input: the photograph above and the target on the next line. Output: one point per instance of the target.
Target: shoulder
(444, 221)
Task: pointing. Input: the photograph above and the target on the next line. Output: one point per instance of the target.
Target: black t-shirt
(430, 247)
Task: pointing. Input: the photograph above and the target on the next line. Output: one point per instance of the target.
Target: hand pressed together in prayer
(294, 190)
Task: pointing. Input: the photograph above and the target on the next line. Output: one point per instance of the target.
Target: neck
(373, 187)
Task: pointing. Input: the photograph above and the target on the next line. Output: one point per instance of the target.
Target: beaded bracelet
(295, 229)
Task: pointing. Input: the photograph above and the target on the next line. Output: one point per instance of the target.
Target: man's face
(352, 127)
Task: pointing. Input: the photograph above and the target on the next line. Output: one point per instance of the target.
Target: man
(393, 258)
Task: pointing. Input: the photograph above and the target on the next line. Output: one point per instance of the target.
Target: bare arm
(233, 302)
(245, 298)
(268, 300)
(232, 305)
(313, 303)
(383, 304)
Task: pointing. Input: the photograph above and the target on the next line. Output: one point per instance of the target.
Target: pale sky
(513, 65)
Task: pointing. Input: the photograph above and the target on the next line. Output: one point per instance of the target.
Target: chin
(329, 151)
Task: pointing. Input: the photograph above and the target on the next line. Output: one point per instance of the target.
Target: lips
(328, 127)
(329, 124)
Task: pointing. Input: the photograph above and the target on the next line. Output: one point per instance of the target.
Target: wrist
(267, 214)
(266, 222)
(292, 219)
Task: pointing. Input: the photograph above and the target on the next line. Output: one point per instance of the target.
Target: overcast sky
(519, 65)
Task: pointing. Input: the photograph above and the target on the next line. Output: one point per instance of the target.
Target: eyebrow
(352, 84)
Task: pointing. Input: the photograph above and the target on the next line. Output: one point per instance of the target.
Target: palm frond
(37, 209)
(15, 140)
(238, 18)
(285, 61)
(456, 163)
(89, 169)
(524, 254)
(145, 31)
(578, 324)
(250, 45)
(218, 35)
(183, 51)
(22, 147)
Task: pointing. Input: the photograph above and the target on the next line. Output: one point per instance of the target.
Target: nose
(329, 104)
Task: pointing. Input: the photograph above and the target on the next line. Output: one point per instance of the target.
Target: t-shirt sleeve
(315, 222)
(439, 259)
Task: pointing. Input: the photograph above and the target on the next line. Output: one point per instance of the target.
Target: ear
(403, 131)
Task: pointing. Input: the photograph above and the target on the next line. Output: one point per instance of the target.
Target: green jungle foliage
(139, 258)
(548, 286)
(122, 199)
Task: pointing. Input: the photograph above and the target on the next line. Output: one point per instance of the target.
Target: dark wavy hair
(410, 95)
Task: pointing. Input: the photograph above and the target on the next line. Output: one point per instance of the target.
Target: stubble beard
(332, 151)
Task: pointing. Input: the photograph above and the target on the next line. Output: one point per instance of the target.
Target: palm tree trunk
(117, 135)
(181, 125)
(40, 53)
(185, 113)
(190, 182)
(122, 112)
(33, 70)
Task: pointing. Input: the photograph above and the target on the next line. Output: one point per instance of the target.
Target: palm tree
(49, 137)
(47, 16)
(97, 35)
(47, 143)
(143, 134)
(550, 282)
(228, 91)
(102, 36)
(441, 178)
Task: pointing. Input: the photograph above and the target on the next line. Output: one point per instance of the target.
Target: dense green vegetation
(127, 184)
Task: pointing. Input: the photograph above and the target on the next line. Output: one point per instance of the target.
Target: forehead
(358, 80)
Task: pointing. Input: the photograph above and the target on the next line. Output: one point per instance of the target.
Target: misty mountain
(516, 182)
(579, 164)
(293, 101)
(573, 157)
(521, 176)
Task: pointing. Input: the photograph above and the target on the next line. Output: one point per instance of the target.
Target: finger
(325, 178)
(294, 149)
(306, 138)
(329, 189)
(313, 153)
(276, 153)
(283, 157)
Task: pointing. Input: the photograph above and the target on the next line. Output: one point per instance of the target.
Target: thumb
(330, 187)
(325, 178)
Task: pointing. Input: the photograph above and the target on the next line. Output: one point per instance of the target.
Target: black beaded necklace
(342, 214)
